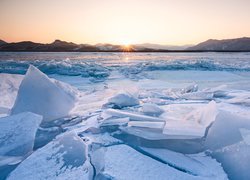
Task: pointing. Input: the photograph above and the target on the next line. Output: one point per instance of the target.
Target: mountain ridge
(231, 45)
(237, 44)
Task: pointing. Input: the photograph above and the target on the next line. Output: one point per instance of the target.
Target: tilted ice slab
(142, 130)
(9, 84)
(228, 142)
(123, 162)
(195, 164)
(63, 158)
(115, 121)
(226, 130)
(17, 133)
(235, 160)
(132, 116)
(41, 95)
(193, 124)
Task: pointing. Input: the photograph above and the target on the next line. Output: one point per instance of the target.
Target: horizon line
(56, 39)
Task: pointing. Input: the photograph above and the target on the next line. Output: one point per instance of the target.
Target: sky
(169, 22)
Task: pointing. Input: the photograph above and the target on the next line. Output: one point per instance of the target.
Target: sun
(126, 44)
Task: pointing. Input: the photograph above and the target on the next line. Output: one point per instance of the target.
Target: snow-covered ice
(63, 158)
(123, 162)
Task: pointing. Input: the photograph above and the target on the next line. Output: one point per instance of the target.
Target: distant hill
(2, 42)
(56, 46)
(239, 44)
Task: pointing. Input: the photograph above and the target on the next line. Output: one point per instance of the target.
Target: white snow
(63, 158)
(41, 95)
(17, 133)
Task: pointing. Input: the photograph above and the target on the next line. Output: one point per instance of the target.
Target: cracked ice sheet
(63, 158)
(196, 164)
(204, 79)
(123, 162)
